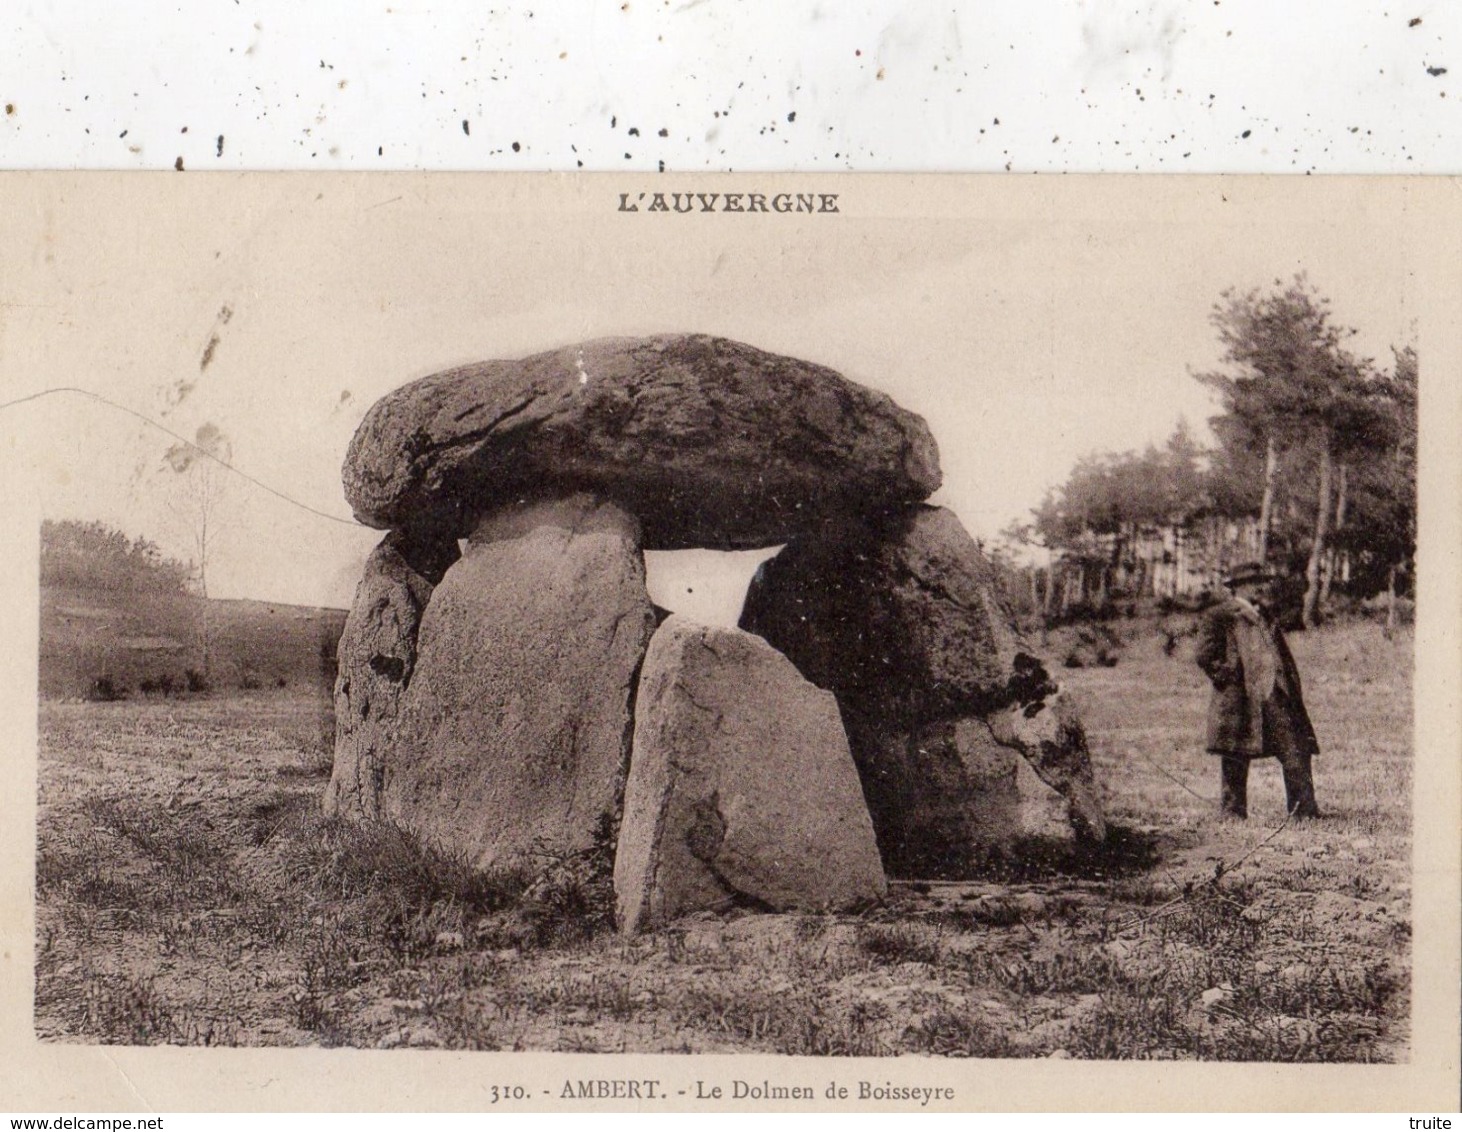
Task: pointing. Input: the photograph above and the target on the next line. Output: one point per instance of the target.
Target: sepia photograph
(853, 626)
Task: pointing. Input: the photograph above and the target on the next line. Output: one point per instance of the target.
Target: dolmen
(508, 691)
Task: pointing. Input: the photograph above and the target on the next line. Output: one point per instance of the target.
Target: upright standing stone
(1050, 734)
(897, 617)
(741, 787)
(514, 735)
(951, 795)
(376, 660)
(901, 620)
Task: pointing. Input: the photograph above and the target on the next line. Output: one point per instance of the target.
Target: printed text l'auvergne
(747, 202)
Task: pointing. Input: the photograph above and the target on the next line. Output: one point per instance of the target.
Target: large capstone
(709, 442)
(901, 620)
(513, 738)
(376, 661)
(741, 790)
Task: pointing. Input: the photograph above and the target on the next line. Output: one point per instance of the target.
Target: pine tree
(1294, 393)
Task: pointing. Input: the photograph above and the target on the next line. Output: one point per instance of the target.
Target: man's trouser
(1299, 784)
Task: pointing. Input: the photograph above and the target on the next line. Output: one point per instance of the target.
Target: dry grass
(189, 891)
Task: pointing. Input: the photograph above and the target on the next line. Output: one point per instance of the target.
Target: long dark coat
(1257, 707)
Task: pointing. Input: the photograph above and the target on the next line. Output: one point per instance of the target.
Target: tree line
(96, 556)
(1313, 472)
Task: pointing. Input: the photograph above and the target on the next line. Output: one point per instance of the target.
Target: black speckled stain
(1436, 72)
(220, 145)
(178, 164)
(393, 668)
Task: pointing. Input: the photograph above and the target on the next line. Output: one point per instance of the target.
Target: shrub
(1095, 646)
(197, 681)
(164, 685)
(104, 689)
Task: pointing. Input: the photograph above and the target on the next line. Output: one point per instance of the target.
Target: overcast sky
(1029, 321)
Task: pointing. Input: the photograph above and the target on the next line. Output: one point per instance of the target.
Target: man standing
(1257, 709)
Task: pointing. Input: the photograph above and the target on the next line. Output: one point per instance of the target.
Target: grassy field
(190, 891)
(138, 641)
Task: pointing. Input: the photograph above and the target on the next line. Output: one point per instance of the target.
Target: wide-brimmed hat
(1247, 573)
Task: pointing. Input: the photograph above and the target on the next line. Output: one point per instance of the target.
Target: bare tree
(200, 468)
(200, 487)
